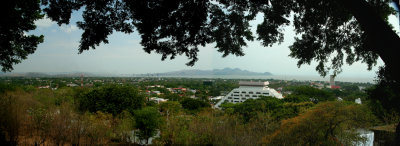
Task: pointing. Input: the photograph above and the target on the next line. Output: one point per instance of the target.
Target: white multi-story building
(249, 90)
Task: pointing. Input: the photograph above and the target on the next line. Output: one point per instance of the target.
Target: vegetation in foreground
(112, 114)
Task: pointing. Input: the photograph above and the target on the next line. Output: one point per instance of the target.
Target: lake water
(286, 77)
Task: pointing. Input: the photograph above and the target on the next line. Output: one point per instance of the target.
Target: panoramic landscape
(179, 72)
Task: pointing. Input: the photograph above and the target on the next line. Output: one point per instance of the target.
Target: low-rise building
(158, 100)
(156, 92)
(72, 85)
(249, 90)
(217, 98)
(44, 87)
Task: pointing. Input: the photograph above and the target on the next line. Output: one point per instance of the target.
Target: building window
(229, 97)
(258, 92)
(266, 93)
(250, 92)
(244, 92)
(247, 95)
(254, 95)
(236, 92)
(243, 98)
(235, 98)
(236, 95)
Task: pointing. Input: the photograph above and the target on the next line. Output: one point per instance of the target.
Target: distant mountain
(193, 72)
(25, 74)
(39, 74)
(197, 72)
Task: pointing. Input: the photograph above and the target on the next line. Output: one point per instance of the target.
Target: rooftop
(251, 83)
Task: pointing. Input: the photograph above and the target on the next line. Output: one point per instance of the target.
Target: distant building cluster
(332, 82)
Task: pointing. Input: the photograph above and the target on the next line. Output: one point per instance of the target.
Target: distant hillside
(26, 74)
(193, 72)
(225, 71)
(39, 74)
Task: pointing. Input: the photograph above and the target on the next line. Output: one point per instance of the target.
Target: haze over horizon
(180, 70)
(124, 55)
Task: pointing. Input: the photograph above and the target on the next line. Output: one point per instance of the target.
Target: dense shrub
(314, 94)
(193, 104)
(328, 123)
(111, 99)
(148, 120)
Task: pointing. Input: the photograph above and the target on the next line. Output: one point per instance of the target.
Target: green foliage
(151, 103)
(64, 95)
(46, 97)
(6, 87)
(353, 96)
(278, 108)
(50, 116)
(250, 107)
(18, 19)
(290, 109)
(29, 88)
(171, 97)
(126, 123)
(314, 94)
(170, 108)
(227, 105)
(193, 104)
(111, 99)
(214, 128)
(147, 120)
(384, 102)
(99, 127)
(328, 123)
(296, 98)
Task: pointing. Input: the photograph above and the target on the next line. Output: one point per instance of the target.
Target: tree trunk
(397, 137)
(384, 41)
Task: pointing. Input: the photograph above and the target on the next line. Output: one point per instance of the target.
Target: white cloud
(44, 23)
(69, 28)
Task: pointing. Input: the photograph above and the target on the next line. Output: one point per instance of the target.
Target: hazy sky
(124, 55)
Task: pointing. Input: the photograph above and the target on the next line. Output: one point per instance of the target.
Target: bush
(193, 104)
(147, 120)
(111, 99)
(329, 123)
(13, 107)
(315, 94)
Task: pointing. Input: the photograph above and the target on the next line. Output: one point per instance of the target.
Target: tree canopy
(147, 120)
(329, 32)
(18, 18)
(329, 123)
(311, 93)
(179, 27)
(111, 99)
(193, 104)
